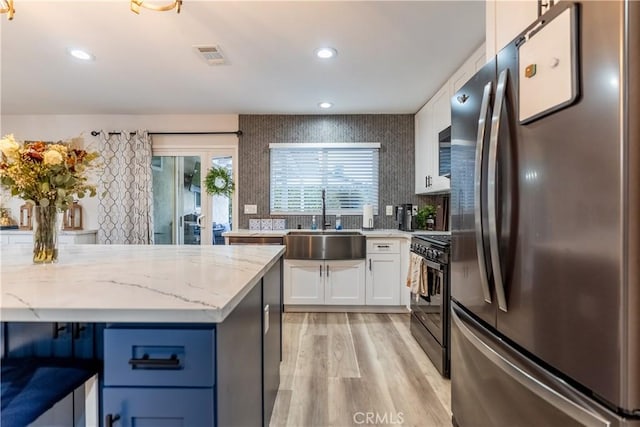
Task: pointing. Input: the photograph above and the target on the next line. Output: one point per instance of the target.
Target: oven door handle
(432, 264)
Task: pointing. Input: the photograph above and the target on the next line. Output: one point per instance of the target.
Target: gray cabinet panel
(239, 364)
(272, 349)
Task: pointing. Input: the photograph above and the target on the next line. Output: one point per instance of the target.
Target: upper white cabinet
(505, 19)
(432, 119)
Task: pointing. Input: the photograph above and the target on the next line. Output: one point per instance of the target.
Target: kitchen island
(186, 335)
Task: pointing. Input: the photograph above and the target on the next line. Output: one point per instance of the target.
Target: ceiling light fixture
(6, 6)
(325, 105)
(136, 4)
(326, 52)
(81, 54)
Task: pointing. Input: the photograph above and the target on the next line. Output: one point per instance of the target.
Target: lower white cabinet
(383, 279)
(324, 282)
(383, 272)
(16, 237)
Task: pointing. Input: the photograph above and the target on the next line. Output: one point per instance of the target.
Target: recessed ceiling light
(325, 105)
(81, 54)
(326, 52)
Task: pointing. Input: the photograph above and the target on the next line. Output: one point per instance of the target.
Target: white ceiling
(392, 56)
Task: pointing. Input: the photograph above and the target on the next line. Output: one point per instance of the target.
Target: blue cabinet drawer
(159, 357)
(148, 407)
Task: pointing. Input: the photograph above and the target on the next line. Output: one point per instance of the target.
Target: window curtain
(126, 196)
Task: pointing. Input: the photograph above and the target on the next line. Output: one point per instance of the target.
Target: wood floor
(354, 369)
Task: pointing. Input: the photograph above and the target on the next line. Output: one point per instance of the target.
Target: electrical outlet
(250, 209)
(389, 210)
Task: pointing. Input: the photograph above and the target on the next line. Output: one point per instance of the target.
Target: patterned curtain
(126, 203)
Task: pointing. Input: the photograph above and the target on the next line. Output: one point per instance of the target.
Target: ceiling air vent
(211, 54)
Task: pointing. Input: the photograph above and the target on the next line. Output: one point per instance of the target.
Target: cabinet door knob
(110, 419)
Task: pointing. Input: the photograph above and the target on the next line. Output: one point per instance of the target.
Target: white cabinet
(429, 121)
(303, 282)
(433, 118)
(16, 237)
(344, 283)
(383, 272)
(423, 150)
(324, 282)
(467, 70)
(505, 19)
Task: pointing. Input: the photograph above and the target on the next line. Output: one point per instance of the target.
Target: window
(348, 172)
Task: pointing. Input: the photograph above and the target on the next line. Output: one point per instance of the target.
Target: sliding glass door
(184, 213)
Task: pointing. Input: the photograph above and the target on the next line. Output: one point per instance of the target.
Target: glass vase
(45, 234)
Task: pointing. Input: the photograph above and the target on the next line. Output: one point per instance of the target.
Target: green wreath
(219, 182)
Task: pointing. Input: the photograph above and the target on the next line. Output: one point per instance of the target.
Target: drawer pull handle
(146, 362)
(383, 246)
(57, 328)
(110, 419)
(76, 330)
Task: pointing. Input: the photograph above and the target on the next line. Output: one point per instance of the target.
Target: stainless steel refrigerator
(545, 211)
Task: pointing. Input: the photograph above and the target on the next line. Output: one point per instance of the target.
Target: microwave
(444, 152)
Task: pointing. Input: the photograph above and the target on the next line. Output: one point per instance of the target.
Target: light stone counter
(388, 233)
(131, 283)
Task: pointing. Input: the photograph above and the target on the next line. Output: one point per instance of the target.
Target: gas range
(443, 240)
(434, 247)
(430, 311)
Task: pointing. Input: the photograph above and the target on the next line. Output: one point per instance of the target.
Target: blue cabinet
(158, 377)
(52, 339)
(159, 357)
(225, 374)
(157, 407)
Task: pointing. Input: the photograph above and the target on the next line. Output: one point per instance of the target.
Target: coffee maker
(404, 216)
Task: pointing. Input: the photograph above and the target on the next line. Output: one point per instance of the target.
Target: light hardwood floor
(340, 368)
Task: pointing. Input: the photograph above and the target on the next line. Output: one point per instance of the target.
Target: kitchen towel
(417, 276)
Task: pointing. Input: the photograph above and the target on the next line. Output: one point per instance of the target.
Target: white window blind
(348, 172)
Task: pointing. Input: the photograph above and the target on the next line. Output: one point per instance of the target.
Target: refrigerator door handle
(477, 184)
(501, 91)
(557, 395)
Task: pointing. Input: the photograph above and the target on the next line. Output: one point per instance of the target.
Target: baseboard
(346, 309)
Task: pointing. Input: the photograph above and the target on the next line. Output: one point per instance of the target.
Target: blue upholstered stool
(30, 386)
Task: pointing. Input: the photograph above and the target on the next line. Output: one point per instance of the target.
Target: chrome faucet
(324, 211)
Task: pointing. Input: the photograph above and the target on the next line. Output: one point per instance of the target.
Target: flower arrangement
(46, 174)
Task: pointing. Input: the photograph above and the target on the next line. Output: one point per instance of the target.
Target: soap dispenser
(314, 226)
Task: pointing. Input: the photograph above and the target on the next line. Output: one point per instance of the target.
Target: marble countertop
(131, 283)
(390, 233)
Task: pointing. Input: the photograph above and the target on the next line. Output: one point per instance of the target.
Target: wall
(62, 127)
(394, 132)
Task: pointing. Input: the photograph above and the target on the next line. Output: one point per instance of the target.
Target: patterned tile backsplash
(395, 133)
(266, 224)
